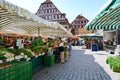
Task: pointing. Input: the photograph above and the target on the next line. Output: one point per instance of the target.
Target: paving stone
(80, 66)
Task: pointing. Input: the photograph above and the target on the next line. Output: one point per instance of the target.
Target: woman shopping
(61, 50)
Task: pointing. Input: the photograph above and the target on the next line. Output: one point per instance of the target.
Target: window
(50, 5)
(62, 16)
(53, 10)
(44, 12)
(84, 21)
(50, 11)
(49, 17)
(57, 16)
(46, 17)
(54, 16)
(81, 21)
(47, 11)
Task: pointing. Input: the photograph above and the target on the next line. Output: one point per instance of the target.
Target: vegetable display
(114, 63)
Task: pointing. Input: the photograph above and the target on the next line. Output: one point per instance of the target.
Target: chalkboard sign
(118, 37)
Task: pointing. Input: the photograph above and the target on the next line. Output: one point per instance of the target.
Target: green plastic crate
(18, 71)
(49, 60)
(33, 60)
(36, 62)
(41, 60)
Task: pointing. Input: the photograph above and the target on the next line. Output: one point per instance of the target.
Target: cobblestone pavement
(82, 65)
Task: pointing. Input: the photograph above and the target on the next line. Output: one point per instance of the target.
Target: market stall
(18, 28)
(108, 19)
(93, 41)
(110, 40)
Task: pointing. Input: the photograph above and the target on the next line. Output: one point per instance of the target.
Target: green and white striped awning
(108, 18)
(14, 19)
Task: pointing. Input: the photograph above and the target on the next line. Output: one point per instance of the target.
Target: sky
(72, 8)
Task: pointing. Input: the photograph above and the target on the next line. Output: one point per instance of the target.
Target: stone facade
(49, 11)
(78, 24)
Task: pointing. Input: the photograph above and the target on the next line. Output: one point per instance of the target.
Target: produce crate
(33, 60)
(41, 60)
(49, 60)
(37, 61)
(24, 71)
(17, 71)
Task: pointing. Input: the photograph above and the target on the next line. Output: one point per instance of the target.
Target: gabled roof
(81, 17)
(47, 1)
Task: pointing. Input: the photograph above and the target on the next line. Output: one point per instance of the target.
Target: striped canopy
(14, 19)
(108, 18)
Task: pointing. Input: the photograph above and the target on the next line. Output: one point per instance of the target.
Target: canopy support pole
(38, 31)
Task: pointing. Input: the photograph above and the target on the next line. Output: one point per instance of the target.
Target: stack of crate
(17, 71)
